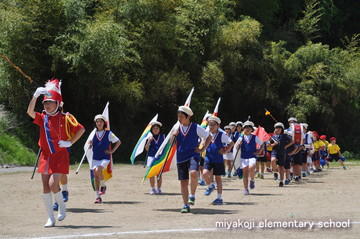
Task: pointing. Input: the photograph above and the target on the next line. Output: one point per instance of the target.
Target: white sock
(219, 196)
(191, 196)
(62, 208)
(102, 183)
(97, 194)
(63, 187)
(47, 197)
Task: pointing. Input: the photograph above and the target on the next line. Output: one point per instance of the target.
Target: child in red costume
(58, 131)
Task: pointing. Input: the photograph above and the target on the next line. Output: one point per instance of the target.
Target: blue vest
(212, 151)
(248, 149)
(155, 144)
(100, 145)
(187, 143)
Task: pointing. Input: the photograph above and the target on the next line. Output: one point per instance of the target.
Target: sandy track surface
(129, 211)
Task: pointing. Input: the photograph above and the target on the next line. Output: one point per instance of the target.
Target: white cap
(227, 127)
(186, 110)
(239, 123)
(100, 117)
(279, 124)
(232, 124)
(248, 123)
(215, 118)
(305, 125)
(292, 119)
(156, 123)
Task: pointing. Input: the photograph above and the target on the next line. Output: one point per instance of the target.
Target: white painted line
(128, 233)
(107, 234)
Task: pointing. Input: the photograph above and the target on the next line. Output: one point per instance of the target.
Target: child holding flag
(101, 147)
(58, 132)
(214, 160)
(188, 154)
(247, 144)
(152, 146)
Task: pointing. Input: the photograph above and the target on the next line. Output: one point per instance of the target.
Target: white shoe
(50, 223)
(246, 192)
(62, 208)
(152, 191)
(158, 191)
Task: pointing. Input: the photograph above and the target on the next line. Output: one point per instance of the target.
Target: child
(280, 142)
(101, 147)
(247, 145)
(58, 132)
(214, 158)
(188, 154)
(334, 152)
(152, 146)
(228, 157)
(318, 144)
(308, 145)
(261, 161)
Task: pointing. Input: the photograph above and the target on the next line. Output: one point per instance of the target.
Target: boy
(280, 142)
(58, 132)
(334, 152)
(188, 154)
(214, 158)
(247, 144)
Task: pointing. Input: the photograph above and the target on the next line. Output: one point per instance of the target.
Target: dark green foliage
(298, 58)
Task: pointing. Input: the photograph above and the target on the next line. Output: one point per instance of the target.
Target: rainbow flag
(139, 147)
(204, 122)
(163, 162)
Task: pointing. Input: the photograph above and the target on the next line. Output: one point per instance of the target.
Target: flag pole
(36, 163)
(82, 160)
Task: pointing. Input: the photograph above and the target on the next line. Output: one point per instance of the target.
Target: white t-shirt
(248, 137)
(112, 137)
(224, 138)
(201, 132)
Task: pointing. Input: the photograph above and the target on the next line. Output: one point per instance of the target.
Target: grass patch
(13, 152)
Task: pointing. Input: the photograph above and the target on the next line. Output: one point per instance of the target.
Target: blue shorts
(218, 168)
(184, 168)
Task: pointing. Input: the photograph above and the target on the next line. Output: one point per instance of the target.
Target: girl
(247, 145)
(152, 146)
(228, 157)
(101, 147)
(58, 132)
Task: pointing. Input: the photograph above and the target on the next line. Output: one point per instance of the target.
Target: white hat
(215, 118)
(232, 124)
(248, 123)
(292, 119)
(186, 110)
(156, 123)
(305, 125)
(227, 127)
(100, 117)
(239, 123)
(279, 124)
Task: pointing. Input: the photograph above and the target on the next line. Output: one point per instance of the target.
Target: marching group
(204, 155)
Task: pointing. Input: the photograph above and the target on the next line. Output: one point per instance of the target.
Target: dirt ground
(129, 211)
